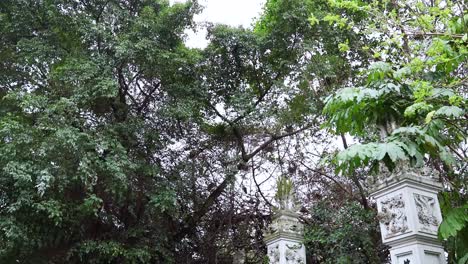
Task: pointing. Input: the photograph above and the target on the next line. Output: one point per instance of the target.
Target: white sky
(230, 12)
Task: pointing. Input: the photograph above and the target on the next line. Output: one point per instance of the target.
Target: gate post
(409, 215)
(285, 234)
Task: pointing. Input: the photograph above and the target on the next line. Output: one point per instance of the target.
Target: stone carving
(291, 255)
(273, 228)
(425, 206)
(285, 219)
(286, 224)
(285, 194)
(274, 254)
(284, 234)
(393, 215)
(295, 228)
(403, 170)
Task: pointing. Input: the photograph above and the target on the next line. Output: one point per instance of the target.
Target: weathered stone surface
(426, 212)
(393, 215)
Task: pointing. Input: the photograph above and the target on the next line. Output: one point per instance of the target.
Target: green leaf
(413, 109)
(464, 259)
(378, 71)
(429, 117)
(455, 220)
(392, 149)
(313, 20)
(442, 92)
(343, 47)
(402, 73)
(408, 131)
(450, 111)
(432, 141)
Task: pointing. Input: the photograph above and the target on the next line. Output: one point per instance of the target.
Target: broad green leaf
(392, 149)
(413, 109)
(455, 220)
(408, 130)
(450, 111)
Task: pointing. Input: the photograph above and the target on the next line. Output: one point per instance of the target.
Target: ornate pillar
(285, 234)
(409, 215)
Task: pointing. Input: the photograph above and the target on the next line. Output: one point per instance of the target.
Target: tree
(122, 144)
(119, 144)
(82, 83)
(411, 105)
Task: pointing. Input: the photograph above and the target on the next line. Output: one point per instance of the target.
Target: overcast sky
(230, 12)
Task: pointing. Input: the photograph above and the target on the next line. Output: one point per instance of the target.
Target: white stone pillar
(284, 239)
(409, 215)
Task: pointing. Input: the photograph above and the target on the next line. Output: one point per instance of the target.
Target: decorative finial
(285, 194)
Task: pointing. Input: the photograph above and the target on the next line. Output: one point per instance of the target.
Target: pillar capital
(409, 216)
(425, 176)
(285, 224)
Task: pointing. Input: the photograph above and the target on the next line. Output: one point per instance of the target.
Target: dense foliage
(411, 107)
(119, 144)
(344, 236)
(81, 176)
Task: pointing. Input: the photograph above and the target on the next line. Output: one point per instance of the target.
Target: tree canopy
(120, 144)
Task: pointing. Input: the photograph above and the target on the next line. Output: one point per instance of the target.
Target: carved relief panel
(409, 217)
(292, 254)
(426, 209)
(393, 216)
(286, 252)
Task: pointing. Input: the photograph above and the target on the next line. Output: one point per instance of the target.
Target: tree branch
(190, 221)
(258, 186)
(277, 137)
(328, 177)
(355, 180)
